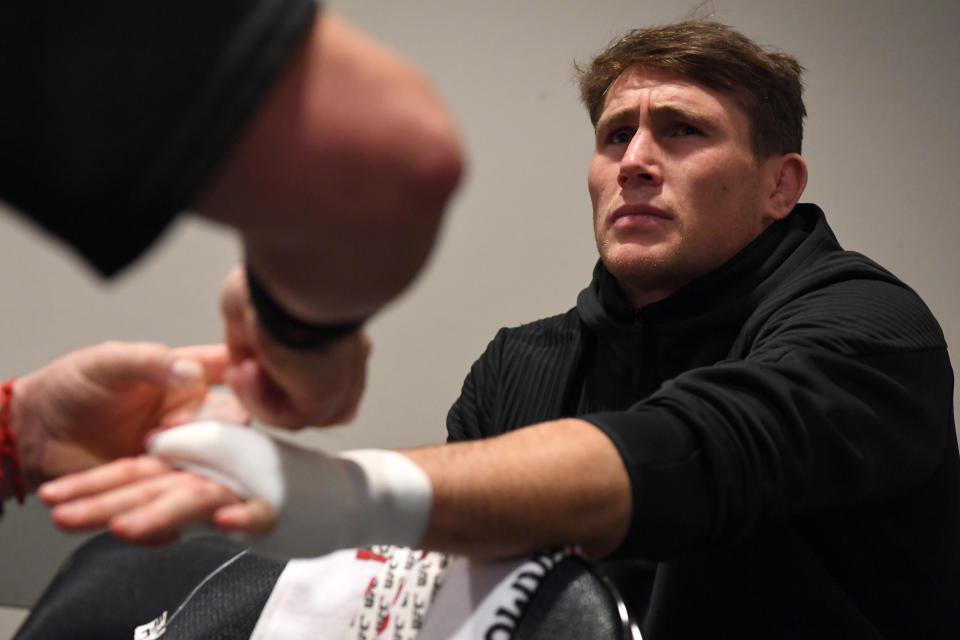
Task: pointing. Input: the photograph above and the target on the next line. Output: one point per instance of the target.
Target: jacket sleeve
(470, 416)
(842, 397)
(115, 114)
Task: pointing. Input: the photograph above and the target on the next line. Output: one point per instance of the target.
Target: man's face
(676, 188)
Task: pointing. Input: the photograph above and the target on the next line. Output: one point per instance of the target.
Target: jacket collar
(733, 289)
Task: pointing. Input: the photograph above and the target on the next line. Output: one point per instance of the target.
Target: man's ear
(788, 174)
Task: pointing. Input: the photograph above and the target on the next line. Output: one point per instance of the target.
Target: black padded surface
(572, 603)
(108, 588)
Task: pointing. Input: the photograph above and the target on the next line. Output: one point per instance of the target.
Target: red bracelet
(8, 443)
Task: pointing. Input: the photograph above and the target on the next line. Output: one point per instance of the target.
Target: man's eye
(620, 136)
(682, 130)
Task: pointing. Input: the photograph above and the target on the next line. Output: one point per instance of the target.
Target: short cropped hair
(766, 84)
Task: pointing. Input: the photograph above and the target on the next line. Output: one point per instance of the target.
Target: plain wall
(883, 93)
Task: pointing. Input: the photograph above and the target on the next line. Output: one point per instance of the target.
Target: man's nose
(640, 164)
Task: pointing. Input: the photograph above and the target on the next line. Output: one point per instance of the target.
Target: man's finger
(96, 511)
(223, 406)
(100, 479)
(192, 499)
(214, 359)
(254, 517)
(262, 396)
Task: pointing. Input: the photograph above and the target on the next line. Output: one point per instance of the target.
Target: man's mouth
(639, 213)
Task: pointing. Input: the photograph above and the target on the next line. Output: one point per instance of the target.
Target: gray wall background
(883, 92)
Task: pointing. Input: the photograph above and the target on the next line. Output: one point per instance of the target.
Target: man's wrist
(288, 330)
(11, 475)
(398, 493)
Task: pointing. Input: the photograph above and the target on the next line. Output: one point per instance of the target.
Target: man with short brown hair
(750, 428)
(766, 84)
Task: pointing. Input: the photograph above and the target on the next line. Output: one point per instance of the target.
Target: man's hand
(284, 387)
(146, 501)
(98, 403)
(311, 503)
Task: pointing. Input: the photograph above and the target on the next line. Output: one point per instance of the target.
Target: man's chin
(636, 260)
(645, 276)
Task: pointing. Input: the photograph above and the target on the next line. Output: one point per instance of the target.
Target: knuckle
(129, 469)
(148, 465)
(203, 490)
(196, 487)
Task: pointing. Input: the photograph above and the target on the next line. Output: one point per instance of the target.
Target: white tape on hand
(243, 459)
(323, 503)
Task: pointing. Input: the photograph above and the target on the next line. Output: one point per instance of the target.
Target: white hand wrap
(323, 503)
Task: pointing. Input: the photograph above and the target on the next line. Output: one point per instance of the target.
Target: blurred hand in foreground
(284, 387)
(99, 403)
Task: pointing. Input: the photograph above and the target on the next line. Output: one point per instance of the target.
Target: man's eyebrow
(679, 112)
(619, 116)
(658, 112)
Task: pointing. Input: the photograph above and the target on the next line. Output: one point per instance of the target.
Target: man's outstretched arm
(560, 482)
(555, 483)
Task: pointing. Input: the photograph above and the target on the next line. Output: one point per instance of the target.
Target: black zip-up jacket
(787, 425)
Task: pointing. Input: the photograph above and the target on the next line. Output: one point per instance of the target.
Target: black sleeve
(521, 379)
(469, 417)
(844, 398)
(114, 113)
